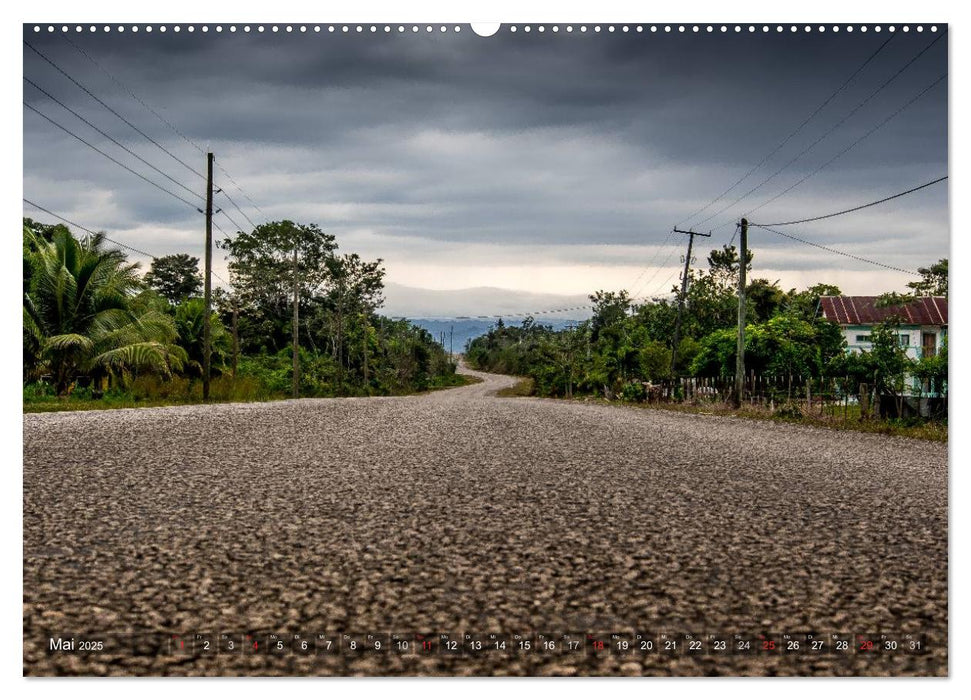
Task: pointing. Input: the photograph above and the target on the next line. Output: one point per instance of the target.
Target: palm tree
(190, 316)
(78, 313)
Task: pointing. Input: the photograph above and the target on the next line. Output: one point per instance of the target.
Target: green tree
(723, 265)
(354, 291)
(933, 281)
(932, 372)
(175, 277)
(261, 266)
(190, 318)
(764, 299)
(79, 315)
(888, 361)
(805, 304)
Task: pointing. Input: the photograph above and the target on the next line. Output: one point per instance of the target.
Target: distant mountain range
(476, 302)
(454, 317)
(454, 333)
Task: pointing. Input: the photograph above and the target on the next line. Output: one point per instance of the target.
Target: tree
(888, 362)
(79, 315)
(723, 265)
(262, 270)
(189, 320)
(764, 299)
(175, 277)
(353, 293)
(657, 317)
(615, 357)
(609, 310)
(933, 282)
(805, 304)
(932, 372)
(711, 305)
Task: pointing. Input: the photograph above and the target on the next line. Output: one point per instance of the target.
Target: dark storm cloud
(518, 139)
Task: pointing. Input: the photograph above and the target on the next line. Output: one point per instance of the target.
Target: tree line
(626, 346)
(94, 325)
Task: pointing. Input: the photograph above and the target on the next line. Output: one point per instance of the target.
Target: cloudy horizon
(550, 164)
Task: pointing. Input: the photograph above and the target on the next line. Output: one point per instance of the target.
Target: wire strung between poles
(862, 206)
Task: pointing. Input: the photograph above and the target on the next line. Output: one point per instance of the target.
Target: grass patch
(150, 392)
(456, 380)
(524, 387)
(929, 430)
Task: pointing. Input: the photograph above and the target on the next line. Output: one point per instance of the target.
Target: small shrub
(633, 391)
(39, 391)
(154, 387)
(788, 410)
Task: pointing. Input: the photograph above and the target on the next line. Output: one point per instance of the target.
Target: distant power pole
(684, 291)
(296, 327)
(450, 329)
(206, 325)
(740, 350)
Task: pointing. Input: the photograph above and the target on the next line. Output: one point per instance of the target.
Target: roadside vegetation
(99, 334)
(797, 366)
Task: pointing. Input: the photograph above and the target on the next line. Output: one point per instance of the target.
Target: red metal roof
(924, 311)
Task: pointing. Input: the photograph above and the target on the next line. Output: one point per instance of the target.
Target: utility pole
(206, 325)
(235, 334)
(450, 353)
(684, 291)
(740, 350)
(296, 326)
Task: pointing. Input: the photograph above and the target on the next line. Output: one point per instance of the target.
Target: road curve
(459, 511)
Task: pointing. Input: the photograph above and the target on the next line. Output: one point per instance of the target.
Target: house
(923, 322)
(922, 328)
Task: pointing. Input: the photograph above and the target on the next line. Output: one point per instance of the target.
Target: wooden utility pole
(367, 332)
(684, 291)
(296, 326)
(235, 334)
(740, 350)
(206, 324)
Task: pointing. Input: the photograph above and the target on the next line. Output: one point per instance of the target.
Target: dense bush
(93, 328)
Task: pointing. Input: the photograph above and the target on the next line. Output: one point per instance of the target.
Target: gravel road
(459, 511)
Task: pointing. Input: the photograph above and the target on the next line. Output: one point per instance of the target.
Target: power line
(224, 213)
(661, 286)
(659, 268)
(105, 105)
(734, 233)
(168, 124)
(862, 206)
(226, 195)
(113, 140)
(87, 230)
(133, 95)
(828, 131)
(650, 264)
(796, 131)
(236, 185)
(852, 145)
(111, 158)
(112, 240)
(838, 252)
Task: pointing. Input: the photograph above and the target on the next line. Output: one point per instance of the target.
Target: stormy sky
(551, 163)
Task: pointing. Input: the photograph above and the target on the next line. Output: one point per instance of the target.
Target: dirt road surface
(459, 511)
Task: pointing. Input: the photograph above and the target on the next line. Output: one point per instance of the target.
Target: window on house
(903, 339)
(929, 344)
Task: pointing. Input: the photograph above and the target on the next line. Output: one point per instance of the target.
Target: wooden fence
(832, 396)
